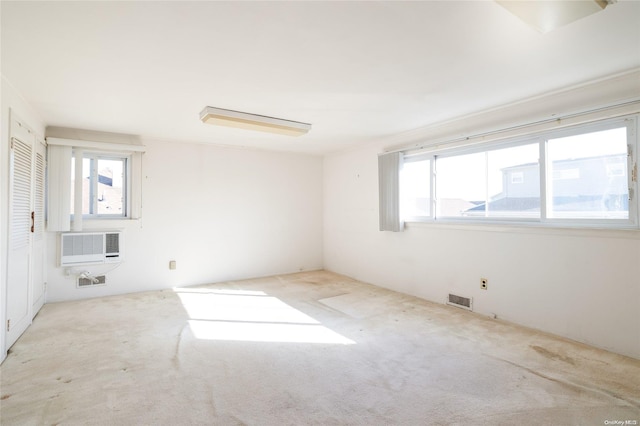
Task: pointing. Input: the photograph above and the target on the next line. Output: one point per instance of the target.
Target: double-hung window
(584, 175)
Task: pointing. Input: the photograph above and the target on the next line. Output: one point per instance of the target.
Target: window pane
(103, 181)
(588, 175)
(514, 182)
(461, 184)
(497, 183)
(415, 189)
(110, 175)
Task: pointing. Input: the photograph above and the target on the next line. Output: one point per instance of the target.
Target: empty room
(320, 212)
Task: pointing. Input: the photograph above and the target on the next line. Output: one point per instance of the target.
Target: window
(415, 188)
(460, 184)
(516, 177)
(104, 185)
(498, 183)
(589, 175)
(579, 175)
(108, 184)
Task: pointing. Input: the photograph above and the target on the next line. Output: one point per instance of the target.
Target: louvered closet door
(38, 244)
(18, 268)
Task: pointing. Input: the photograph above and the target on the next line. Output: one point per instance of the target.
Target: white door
(25, 261)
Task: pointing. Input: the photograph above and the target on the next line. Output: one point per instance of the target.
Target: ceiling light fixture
(243, 120)
(548, 15)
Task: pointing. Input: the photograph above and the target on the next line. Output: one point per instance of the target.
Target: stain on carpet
(355, 305)
(552, 355)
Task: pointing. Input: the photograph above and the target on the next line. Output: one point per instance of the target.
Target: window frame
(432, 205)
(632, 143)
(484, 148)
(95, 156)
(542, 138)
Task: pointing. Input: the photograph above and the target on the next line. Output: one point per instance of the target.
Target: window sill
(106, 224)
(577, 230)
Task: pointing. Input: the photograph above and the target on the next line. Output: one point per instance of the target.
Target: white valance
(101, 146)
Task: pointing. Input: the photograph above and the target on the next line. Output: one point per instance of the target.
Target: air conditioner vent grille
(112, 243)
(82, 244)
(460, 301)
(90, 247)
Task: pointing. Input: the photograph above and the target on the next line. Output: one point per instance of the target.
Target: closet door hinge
(8, 325)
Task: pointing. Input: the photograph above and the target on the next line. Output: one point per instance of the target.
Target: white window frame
(60, 214)
(480, 148)
(541, 138)
(631, 124)
(432, 204)
(126, 186)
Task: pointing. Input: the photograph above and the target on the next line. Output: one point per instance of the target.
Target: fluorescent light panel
(243, 120)
(547, 15)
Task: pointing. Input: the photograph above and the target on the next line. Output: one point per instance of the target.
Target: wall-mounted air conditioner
(81, 248)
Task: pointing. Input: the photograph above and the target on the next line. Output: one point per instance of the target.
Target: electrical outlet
(483, 283)
(172, 264)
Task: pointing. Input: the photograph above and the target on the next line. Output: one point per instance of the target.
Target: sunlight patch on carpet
(242, 315)
(266, 332)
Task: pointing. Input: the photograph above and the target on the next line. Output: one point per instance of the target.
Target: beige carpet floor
(312, 348)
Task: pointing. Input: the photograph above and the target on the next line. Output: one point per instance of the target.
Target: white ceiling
(358, 71)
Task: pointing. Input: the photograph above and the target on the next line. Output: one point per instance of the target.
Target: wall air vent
(460, 302)
(91, 282)
(81, 248)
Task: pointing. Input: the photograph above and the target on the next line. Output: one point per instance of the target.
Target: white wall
(580, 284)
(10, 101)
(221, 213)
